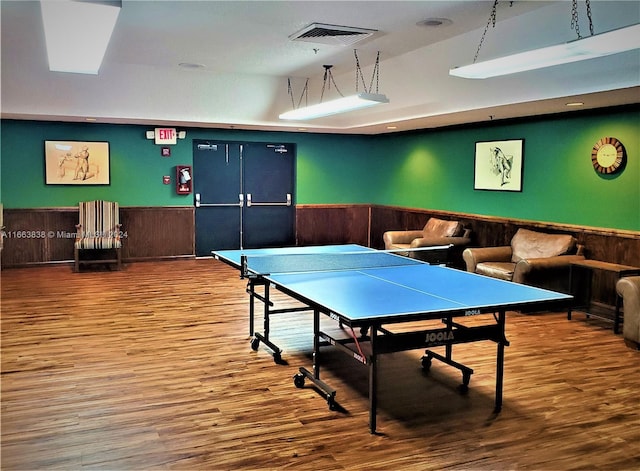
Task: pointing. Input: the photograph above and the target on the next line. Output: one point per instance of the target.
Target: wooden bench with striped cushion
(99, 229)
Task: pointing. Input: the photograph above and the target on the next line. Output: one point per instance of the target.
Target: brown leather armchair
(436, 232)
(629, 290)
(533, 258)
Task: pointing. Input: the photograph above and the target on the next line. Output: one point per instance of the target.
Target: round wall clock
(608, 155)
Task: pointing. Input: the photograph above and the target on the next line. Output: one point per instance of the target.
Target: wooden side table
(590, 265)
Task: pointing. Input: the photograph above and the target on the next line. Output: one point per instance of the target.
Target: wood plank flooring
(150, 368)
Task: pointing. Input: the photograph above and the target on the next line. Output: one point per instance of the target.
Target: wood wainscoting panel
(332, 224)
(63, 224)
(19, 249)
(157, 232)
(39, 235)
(35, 236)
(388, 219)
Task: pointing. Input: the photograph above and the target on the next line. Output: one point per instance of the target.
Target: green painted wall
(435, 170)
(136, 166)
(326, 164)
(428, 169)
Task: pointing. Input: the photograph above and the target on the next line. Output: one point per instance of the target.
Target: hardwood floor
(150, 368)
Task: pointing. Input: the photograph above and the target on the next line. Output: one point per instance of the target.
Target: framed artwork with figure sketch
(499, 165)
(76, 163)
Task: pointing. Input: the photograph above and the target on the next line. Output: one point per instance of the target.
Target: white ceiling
(248, 57)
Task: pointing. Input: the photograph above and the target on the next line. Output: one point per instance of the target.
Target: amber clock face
(608, 155)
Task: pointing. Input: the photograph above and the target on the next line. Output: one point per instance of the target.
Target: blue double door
(244, 195)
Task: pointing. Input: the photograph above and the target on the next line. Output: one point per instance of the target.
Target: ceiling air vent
(331, 34)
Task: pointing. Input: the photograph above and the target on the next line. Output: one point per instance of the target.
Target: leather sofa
(436, 232)
(629, 290)
(533, 258)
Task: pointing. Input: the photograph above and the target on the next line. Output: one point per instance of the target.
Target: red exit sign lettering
(166, 135)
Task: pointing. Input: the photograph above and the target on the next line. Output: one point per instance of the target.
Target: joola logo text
(439, 337)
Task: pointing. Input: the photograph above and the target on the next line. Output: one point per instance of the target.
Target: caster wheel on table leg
(298, 380)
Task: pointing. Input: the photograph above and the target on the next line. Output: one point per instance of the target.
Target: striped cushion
(99, 226)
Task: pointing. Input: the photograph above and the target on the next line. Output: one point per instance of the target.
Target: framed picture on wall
(499, 165)
(76, 163)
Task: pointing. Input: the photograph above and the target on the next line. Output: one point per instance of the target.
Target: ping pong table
(377, 292)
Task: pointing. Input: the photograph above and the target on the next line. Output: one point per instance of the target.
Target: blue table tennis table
(377, 291)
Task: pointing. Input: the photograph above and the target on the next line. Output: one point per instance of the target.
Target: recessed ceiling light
(392, 127)
(191, 65)
(575, 103)
(90, 119)
(65, 22)
(435, 22)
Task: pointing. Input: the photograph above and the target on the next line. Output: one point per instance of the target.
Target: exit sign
(165, 135)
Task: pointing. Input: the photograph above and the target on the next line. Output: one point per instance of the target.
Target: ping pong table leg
(316, 344)
(500, 361)
(251, 291)
(299, 378)
(265, 330)
(257, 337)
(449, 347)
(373, 381)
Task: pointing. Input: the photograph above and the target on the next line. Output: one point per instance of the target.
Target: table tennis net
(296, 263)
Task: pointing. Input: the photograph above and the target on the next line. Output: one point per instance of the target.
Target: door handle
(250, 202)
(200, 204)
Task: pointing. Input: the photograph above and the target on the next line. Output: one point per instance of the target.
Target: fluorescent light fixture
(341, 105)
(598, 45)
(77, 33)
